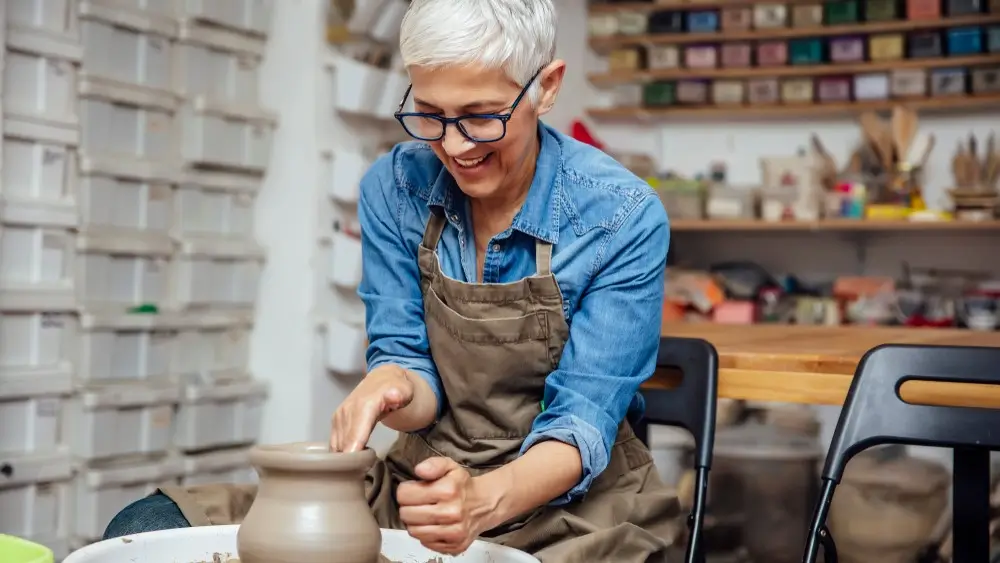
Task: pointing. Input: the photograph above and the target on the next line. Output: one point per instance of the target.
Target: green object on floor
(17, 550)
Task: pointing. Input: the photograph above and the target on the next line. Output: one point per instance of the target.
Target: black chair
(874, 414)
(690, 405)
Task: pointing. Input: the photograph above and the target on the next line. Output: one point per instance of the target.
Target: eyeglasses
(476, 127)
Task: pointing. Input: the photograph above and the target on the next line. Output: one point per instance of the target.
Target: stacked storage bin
(37, 220)
(120, 421)
(225, 149)
(133, 149)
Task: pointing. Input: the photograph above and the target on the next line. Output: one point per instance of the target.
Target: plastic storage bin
(37, 500)
(345, 259)
(36, 353)
(39, 173)
(226, 136)
(217, 64)
(126, 348)
(126, 46)
(55, 17)
(30, 423)
(212, 416)
(216, 274)
(246, 16)
(357, 87)
(213, 352)
(36, 271)
(220, 466)
(39, 77)
(113, 208)
(345, 347)
(120, 420)
(344, 171)
(114, 275)
(102, 492)
(214, 205)
(119, 123)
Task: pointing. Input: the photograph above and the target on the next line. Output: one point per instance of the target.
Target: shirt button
(496, 248)
(454, 218)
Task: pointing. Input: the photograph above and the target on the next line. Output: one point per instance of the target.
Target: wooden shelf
(786, 71)
(647, 7)
(607, 43)
(830, 225)
(792, 111)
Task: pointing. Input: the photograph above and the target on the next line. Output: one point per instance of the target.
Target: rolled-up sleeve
(613, 340)
(390, 283)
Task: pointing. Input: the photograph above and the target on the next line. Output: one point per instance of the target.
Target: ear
(551, 80)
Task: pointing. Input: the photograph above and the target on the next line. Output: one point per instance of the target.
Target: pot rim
(310, 456)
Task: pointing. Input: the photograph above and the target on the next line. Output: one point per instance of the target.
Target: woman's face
(485, 170)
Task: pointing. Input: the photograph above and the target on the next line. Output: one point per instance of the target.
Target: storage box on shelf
(365, 90)
(214, 205)
(36, 493)
(127, 46)
(35, 468)
(228, 465)
(216, 275)
(103, 490)
(245, 16)
(219, 415)
(36, 271)
(120, 420)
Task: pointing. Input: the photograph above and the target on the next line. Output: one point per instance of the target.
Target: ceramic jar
(310, 507)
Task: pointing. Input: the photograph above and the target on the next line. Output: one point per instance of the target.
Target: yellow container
(17, 550)
(887, 212)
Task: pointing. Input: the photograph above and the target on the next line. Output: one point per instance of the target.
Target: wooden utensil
(904, 128)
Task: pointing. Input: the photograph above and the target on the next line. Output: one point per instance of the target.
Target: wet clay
(310, 507)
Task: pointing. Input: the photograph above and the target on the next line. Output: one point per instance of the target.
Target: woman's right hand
(384, 390)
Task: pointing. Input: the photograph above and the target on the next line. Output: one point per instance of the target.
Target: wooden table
(806, 364)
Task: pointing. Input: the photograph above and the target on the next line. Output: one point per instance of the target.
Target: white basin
(193, 545)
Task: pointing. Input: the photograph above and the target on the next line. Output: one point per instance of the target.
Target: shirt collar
(539, 215)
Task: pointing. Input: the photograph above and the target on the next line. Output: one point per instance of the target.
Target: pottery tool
(920, 150)
(904, 129)
(878, 136)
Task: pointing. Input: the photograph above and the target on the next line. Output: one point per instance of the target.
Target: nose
(454, 142)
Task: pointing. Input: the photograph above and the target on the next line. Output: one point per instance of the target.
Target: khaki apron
(494, 345)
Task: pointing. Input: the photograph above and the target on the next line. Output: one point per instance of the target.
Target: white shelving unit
(134, 146)
(358, 101)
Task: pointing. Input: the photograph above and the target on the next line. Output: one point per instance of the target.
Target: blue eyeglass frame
(457, 121)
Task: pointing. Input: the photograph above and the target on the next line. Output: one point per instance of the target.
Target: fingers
(416, 493)
(353, 424)
(434, 468)
(449, 540)
(431, 514)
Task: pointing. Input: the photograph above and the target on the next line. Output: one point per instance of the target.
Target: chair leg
(819, 535)
(829, 546)
(970, 499)
(697, 518)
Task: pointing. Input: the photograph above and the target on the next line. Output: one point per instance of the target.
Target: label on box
(51, 320)
(161, 417)
(48, 407)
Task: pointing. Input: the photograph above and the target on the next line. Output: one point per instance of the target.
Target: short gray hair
(516, 36)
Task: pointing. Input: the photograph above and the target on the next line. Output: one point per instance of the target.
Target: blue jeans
(155, 512)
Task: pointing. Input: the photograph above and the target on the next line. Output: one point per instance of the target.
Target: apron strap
(432, 234)
(543, 257)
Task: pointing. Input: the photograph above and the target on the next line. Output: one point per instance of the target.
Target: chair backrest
(875, 414)
(690, 405)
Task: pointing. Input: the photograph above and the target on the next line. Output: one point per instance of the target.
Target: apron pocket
(532, 326)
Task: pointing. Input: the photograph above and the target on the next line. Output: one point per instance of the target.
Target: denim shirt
(610, 236)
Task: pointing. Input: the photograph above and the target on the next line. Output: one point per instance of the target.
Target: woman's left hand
(445, 511)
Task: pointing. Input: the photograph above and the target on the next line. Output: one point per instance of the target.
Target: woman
(513, 283)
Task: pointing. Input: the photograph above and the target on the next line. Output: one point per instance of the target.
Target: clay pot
(310, 507)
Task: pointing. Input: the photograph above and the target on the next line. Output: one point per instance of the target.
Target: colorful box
(965, 41)
(948, 82)
(805, 51)
(885, 47)
(841, 12)
(847, 49)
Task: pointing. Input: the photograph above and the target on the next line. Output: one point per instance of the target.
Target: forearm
(545, 472)
(422, 410)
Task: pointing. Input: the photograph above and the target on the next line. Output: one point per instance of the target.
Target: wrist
(493, 491)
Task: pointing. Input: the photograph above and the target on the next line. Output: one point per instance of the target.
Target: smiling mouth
(472, 162)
